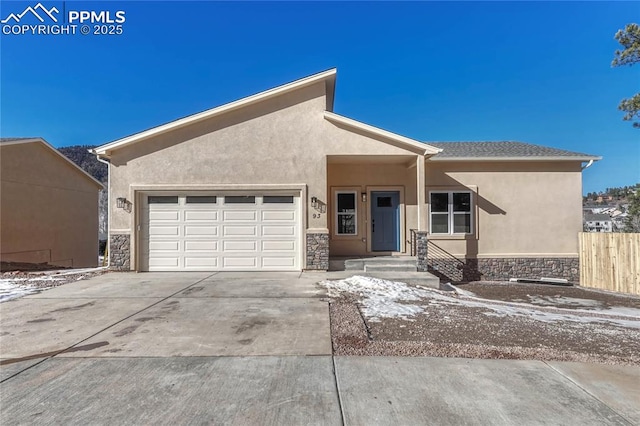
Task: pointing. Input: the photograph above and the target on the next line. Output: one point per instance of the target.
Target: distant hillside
(80, 155)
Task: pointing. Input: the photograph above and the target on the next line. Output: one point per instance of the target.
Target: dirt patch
(519, 330)
(547, 295)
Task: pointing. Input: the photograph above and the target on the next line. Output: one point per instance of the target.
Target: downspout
(108, 163)
(588, 165)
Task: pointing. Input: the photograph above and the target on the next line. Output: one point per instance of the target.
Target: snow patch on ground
(380, 298)
(384, 299)
(15, 288)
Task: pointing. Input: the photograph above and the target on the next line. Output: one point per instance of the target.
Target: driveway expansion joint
(576, 384)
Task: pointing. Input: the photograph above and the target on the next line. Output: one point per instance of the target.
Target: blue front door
(385, 221)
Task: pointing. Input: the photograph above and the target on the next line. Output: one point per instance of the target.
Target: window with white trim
(450, 212)
(346, 213)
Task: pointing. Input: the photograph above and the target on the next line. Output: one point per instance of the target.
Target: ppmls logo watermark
(42, 20)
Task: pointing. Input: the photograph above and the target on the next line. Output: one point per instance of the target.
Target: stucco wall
(285, 140)
(525, 209)
(49, 211)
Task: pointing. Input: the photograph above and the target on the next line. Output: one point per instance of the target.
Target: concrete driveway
(241, 348)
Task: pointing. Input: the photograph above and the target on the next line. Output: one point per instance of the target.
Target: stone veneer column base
(317, 251)
(120, 252)
(422, 261)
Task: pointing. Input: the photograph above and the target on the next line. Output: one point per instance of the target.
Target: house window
(346, 213)
(450, 212)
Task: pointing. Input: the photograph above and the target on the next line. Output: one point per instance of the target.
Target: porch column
(421, 194)
(423, 211)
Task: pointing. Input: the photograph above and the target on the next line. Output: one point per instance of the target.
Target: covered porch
(375, 205)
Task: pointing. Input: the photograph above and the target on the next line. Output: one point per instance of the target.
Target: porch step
(381, 263)
(381, 267)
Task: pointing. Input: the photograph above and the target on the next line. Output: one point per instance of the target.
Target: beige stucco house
(279, 181)
(48, 208)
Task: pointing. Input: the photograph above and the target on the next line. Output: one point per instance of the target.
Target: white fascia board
(559, 158)
(375, 131)
(307, 81)
(61, 155)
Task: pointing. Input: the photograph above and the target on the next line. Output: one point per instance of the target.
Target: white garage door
(221, 233)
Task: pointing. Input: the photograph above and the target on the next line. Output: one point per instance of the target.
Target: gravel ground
(532, 293)
(455, 330)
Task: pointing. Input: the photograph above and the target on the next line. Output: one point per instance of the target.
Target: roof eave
(425, 149)
(537, 158)
(328, 76)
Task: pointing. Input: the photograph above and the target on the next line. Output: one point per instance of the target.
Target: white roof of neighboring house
(17, 141)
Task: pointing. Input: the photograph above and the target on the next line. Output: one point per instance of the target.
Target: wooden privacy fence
(610, 261)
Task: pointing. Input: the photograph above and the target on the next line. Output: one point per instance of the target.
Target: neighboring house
(49, 206)
(278, 181)
(598, 223)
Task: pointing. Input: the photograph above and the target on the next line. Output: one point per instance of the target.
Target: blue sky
(536, 72)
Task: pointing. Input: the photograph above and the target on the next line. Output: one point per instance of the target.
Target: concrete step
(359, 263)
(424, 279)
(390, 267)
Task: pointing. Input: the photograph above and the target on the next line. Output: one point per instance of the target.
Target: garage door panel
(163, 230)
(251, 233)
(278, 262)
(272, 230)
(276, 245)
(243, 246)
(278, 215)
(159, 215)
(239, 215)
(193, 245)
(200, 215)
(237, 230)
(240, 262)
(164, 245)
(199, 262)
(164, 262)
(193, 230)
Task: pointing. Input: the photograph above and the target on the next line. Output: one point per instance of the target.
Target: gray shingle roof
(15, 139)
(508, 149)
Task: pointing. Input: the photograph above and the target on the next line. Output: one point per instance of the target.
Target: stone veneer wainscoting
(501, 269)
(550, 267)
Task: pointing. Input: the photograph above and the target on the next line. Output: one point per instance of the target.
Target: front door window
(385, 221)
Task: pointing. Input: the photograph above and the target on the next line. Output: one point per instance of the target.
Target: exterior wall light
(364, 197)
(121, 202)
(314, 202)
